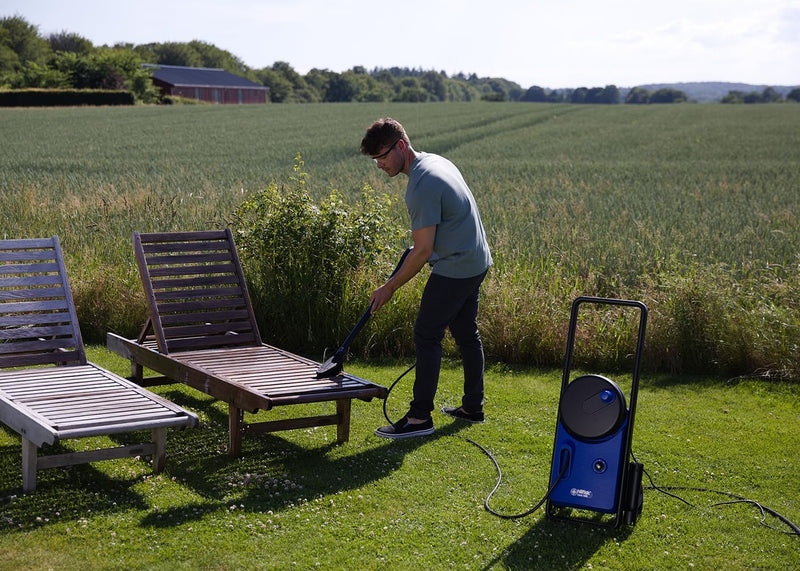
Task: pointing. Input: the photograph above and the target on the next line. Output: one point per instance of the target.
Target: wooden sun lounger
(202, 331)
(49, 392)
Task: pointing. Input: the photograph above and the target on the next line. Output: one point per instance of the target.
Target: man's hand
(381, 297)
(414, 262)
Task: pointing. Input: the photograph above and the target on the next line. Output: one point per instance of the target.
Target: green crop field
(689, 208)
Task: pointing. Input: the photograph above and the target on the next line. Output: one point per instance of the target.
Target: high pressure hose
(490, 456)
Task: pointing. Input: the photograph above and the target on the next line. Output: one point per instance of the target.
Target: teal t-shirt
(438, 195)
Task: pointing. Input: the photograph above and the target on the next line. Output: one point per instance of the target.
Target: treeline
(769, 95)
(67, 60)
(608, 95)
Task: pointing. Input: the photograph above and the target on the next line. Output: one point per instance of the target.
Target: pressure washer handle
(368, 312)
(400, 263)
(355, 331)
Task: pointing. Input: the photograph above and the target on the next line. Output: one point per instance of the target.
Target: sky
(548, 43)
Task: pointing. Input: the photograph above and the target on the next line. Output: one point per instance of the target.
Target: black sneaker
(461, 414)
(404, 429)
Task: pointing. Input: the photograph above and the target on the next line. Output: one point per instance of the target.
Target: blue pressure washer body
(590, 471)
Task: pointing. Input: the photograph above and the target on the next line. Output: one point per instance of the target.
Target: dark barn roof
(180, 76)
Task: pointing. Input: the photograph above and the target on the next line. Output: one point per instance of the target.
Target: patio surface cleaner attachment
(334, 365)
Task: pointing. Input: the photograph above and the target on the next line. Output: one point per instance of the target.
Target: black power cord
(737, 499)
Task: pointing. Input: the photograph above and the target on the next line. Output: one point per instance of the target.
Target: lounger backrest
(38, 323)
(195, 290)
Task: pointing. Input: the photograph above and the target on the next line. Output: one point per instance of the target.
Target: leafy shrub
(303, 258)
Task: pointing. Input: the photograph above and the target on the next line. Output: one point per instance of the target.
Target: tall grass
(689, 208)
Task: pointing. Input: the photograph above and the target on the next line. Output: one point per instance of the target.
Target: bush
(303, 259)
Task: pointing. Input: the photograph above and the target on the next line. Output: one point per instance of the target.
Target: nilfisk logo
(580, 493)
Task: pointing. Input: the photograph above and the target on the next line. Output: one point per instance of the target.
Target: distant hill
(708, 91)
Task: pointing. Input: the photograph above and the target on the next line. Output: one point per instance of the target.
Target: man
(448, 233)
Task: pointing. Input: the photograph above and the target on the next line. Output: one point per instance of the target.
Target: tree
(638, 96)
(106, 68)
(733, 97)
(668, 95)
(579, 95)
(22, 39)
(794, 95)
(341, 88)
(170, 53)
(534, 94)
(9, 60)
(70, 42)
(280, 88)
(412, 95)
(610, 95)
(214, 57)
(434, 83)
(769, 95)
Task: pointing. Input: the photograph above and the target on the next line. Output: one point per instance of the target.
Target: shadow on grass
(70, 493)
(274, 474)
(551, 544)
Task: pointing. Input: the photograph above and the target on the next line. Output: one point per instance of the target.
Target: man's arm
(416, 260)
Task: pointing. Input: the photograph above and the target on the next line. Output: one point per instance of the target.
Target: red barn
(207, 84)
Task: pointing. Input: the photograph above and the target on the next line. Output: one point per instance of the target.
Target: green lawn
(299, 500)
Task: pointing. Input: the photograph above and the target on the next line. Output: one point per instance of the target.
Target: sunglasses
(376, 158)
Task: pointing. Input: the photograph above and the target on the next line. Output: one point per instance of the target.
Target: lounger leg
(160, 452)
(235, 428)
(343, 424)
(28, 465)
(137, 371)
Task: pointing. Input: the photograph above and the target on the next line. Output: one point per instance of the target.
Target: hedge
(63, 97)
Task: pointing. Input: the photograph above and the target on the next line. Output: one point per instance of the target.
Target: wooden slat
(35, 332)
(197, 281)
(161, 271)
(38, 345)
(25, 244)
(198, 236)
(170, 294)
(35, 359)
(32, 307)
(35, 293)
(210, 341)
(172, 307)
(7, 269)
(31, 280)
(201, 260)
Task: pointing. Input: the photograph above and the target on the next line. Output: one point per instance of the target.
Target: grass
(299, 500)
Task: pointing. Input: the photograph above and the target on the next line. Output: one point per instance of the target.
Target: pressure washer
(593, 439)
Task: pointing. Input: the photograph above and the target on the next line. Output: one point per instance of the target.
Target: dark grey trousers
(448, 303)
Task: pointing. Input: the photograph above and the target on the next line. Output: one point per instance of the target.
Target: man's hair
(381, 134)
